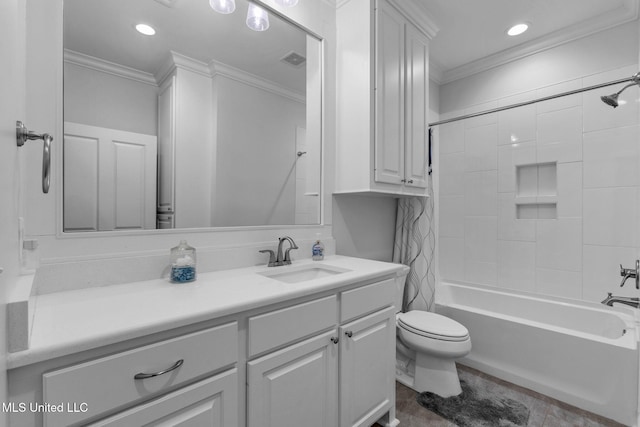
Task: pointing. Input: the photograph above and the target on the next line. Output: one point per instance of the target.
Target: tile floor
(544, 411)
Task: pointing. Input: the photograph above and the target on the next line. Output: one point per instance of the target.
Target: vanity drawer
(366, 299)
(271, 330)
(107, 383)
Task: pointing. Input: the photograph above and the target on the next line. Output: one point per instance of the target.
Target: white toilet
(434, 342)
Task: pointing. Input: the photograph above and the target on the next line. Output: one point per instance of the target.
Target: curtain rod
(533, 101)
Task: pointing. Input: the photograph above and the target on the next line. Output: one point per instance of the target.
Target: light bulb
(287, 3)
(223, 6)
(257, 18)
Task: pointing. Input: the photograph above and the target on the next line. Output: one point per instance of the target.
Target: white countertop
(69, 322)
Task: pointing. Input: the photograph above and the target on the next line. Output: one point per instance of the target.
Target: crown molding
(417, 15)
(594, 25)
(435, 72)
(220, 69)
(97, 64)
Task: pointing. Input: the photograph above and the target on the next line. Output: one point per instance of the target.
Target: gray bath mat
(474, 409)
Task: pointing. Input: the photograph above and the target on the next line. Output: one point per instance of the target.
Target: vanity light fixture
(223, 6)
(145, 29)
(518, 29)
(257, 18)
(287, 3)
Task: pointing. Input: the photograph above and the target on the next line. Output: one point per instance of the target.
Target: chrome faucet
(630, 273)
(279, 259)
(611, 299)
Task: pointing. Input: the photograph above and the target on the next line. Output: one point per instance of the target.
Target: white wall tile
(611, 157)
(481, 193)
(517, 265)
(562, 102)
(567, 284)
(481, 120)
(602, 271)
(451, 184)
(483, 273)
(451, 137)
(560, 136)
(597, 114)
(451, 216)
(611, 216)
(509, 227)
(452, 163)
(517, 125)
(481, 150)
(480, 239)
(451, 258)
(569, 190)
(559, 244)
(510, 156)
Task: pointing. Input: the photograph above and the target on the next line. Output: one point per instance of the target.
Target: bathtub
(584, 354)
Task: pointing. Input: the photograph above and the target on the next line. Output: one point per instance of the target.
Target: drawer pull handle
(142, 376)
(349, 334)
(335, 340)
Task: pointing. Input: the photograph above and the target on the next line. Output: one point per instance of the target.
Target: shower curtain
(414, 246)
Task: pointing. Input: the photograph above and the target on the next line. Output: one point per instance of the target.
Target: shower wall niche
(536, 191)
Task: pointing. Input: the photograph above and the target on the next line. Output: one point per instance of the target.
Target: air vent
(293, 58)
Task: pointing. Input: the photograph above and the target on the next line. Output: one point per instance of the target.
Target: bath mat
(472, 408)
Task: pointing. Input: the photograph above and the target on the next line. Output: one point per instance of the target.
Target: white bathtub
(584, 354)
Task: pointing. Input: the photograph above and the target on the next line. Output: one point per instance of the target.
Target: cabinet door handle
(410, 181)
(142, 376)
(349, 334)
(335, 340)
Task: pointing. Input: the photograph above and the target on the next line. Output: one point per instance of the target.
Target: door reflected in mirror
(206, 123)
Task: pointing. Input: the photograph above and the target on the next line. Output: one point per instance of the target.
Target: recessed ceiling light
(518, 29)
(145, 29)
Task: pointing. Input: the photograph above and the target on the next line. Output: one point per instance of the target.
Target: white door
(415, 165)
(367, 371)
(109, 179)
(296, 386)
(389, 96)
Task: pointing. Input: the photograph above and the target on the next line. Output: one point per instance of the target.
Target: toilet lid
(433, 325)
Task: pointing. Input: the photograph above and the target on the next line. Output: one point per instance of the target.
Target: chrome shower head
(612, 99)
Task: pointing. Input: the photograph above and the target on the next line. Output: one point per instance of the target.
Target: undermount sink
(303, 273)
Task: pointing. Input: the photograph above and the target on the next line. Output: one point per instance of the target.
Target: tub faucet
(633, 273)
(611, 299)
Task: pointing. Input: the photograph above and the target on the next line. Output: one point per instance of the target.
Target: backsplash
(543, 198)
(113, 270)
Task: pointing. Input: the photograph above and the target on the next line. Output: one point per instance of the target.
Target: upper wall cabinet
(383, 98)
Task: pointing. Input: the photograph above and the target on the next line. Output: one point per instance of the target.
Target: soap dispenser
(183, 263)
(317, 250)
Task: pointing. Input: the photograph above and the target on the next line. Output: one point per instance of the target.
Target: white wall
(115, 102)
(256, 128)
(575, 251)
(12, 87)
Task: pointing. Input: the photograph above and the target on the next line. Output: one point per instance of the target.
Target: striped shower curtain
(414, 246)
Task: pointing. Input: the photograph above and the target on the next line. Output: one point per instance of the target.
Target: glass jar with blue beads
(183, 263)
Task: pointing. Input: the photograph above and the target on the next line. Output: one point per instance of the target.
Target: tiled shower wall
(543, 198)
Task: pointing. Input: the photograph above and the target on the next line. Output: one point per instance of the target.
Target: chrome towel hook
(23, 135)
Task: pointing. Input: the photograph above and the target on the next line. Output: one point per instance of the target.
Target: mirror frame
(271, 8)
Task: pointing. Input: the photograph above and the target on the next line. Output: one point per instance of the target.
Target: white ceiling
(105, 29)
(472, 33)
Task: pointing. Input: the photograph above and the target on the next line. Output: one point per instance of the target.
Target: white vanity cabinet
(113, 383)
(343, 375)
(383, 98)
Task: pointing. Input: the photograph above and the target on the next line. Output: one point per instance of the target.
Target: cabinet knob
(349, 334)
(403, 180)
(335, 340)
(410, 181)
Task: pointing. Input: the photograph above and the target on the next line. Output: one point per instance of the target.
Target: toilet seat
(432, 325)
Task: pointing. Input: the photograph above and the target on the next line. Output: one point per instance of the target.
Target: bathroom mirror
(206, 123)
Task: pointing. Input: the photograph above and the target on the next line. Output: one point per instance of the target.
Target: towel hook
(23, 135)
